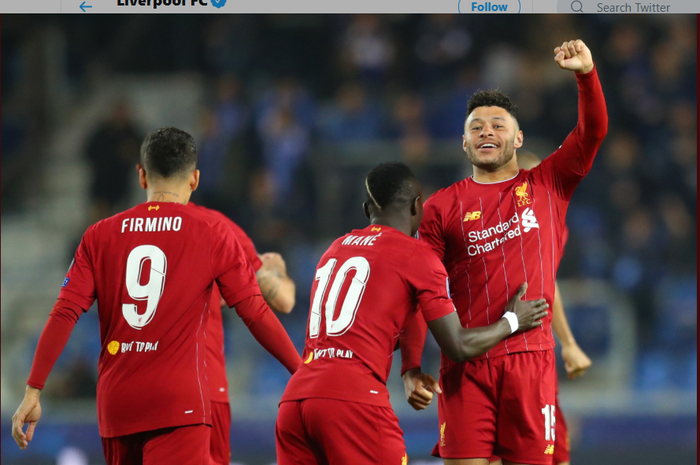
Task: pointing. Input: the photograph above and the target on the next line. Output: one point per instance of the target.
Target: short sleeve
(427, 276)
(231, 269)
(79, 285)
(430, 230)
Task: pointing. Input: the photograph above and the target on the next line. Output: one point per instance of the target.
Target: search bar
(620, 6)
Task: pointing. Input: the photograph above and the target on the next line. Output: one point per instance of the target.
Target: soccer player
(151, 269)
(576, 361)
(278, 291)
(492, 231)
(335, 409)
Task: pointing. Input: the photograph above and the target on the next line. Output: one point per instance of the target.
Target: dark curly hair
(390, 183)
(491, 98)
(168, 152)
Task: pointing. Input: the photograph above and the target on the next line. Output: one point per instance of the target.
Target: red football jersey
(366, 284)
(492, 237)
(216, 362)
(151, 269)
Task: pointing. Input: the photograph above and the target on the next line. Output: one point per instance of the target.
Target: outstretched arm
(460, 344)
(276, 286)
(575, 360)
(573, 160)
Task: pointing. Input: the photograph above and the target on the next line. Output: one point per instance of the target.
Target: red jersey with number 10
(366, 284)
(151, 269)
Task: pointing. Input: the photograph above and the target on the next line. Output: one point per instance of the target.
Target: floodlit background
(289, 113)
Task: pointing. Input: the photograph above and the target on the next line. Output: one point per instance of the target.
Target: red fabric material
(368, 281)
(562, 445)
(52, 341)
(494, 407)
(327, 431)
(172, 254)
(492, 237)
(216, 361)
(220, 444)
(184, 445)
(412, 340)
(268, 331)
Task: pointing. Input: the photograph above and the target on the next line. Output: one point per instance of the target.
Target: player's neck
(400, 224)
(503, 173)
(169, 193)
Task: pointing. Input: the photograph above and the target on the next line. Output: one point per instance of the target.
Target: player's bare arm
(460, 344)
(276, 286)
(575, 360)
(28, 413)
(575, 56)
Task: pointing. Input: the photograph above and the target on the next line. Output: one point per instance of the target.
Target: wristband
(512, 321)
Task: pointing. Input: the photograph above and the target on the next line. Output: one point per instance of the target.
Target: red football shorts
(336, 432)
(220, 445)
(561, 443)
(184, 445)
(500, 406)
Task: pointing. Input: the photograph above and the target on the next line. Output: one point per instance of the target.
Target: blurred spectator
(113, 151)
(351, 116)
(442, 46)
(367, 50)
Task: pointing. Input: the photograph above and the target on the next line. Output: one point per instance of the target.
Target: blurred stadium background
(289, 113)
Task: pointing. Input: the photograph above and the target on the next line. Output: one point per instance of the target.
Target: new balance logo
(549, 450)
(529, 220)
(471, 216)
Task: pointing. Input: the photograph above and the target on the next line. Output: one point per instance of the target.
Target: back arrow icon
(83, 6)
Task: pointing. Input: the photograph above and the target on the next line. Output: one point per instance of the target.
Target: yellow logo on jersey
(470, 216)
(549, 450)
(376, 229)
(523, 196)
(442, 434)
(310, 359)
(153, 207)
(113, 347)
(404, 460)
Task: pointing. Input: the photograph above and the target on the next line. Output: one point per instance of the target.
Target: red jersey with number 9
(366, 284)
(151, 269)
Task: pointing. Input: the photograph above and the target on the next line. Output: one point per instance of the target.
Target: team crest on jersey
(442, 434)
(549, 450)
(471, 216)
(523, 196)
(529, 220)
(153, 207)
(404, 459)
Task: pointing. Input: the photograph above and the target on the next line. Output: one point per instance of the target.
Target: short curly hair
(390, 183)
(491, 98)
(169, 152)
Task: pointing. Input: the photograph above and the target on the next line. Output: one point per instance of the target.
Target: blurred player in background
(576, 361)
(278, 290)
(336, 407)
(494, 230)
(151, 269)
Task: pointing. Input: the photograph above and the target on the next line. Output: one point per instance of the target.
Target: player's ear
(518, 140)
(464, 142)
(194, 180)
(365, 207)
(417, 206)
(143, 182)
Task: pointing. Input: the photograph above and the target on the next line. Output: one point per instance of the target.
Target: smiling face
(490, 138)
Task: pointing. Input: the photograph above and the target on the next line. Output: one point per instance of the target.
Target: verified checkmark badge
(218, 3)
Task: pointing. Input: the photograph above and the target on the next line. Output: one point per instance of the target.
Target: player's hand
(576, 361)
(575, 56)
(274, 262)
(29, 411)
(419, 388)
(529, 312)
